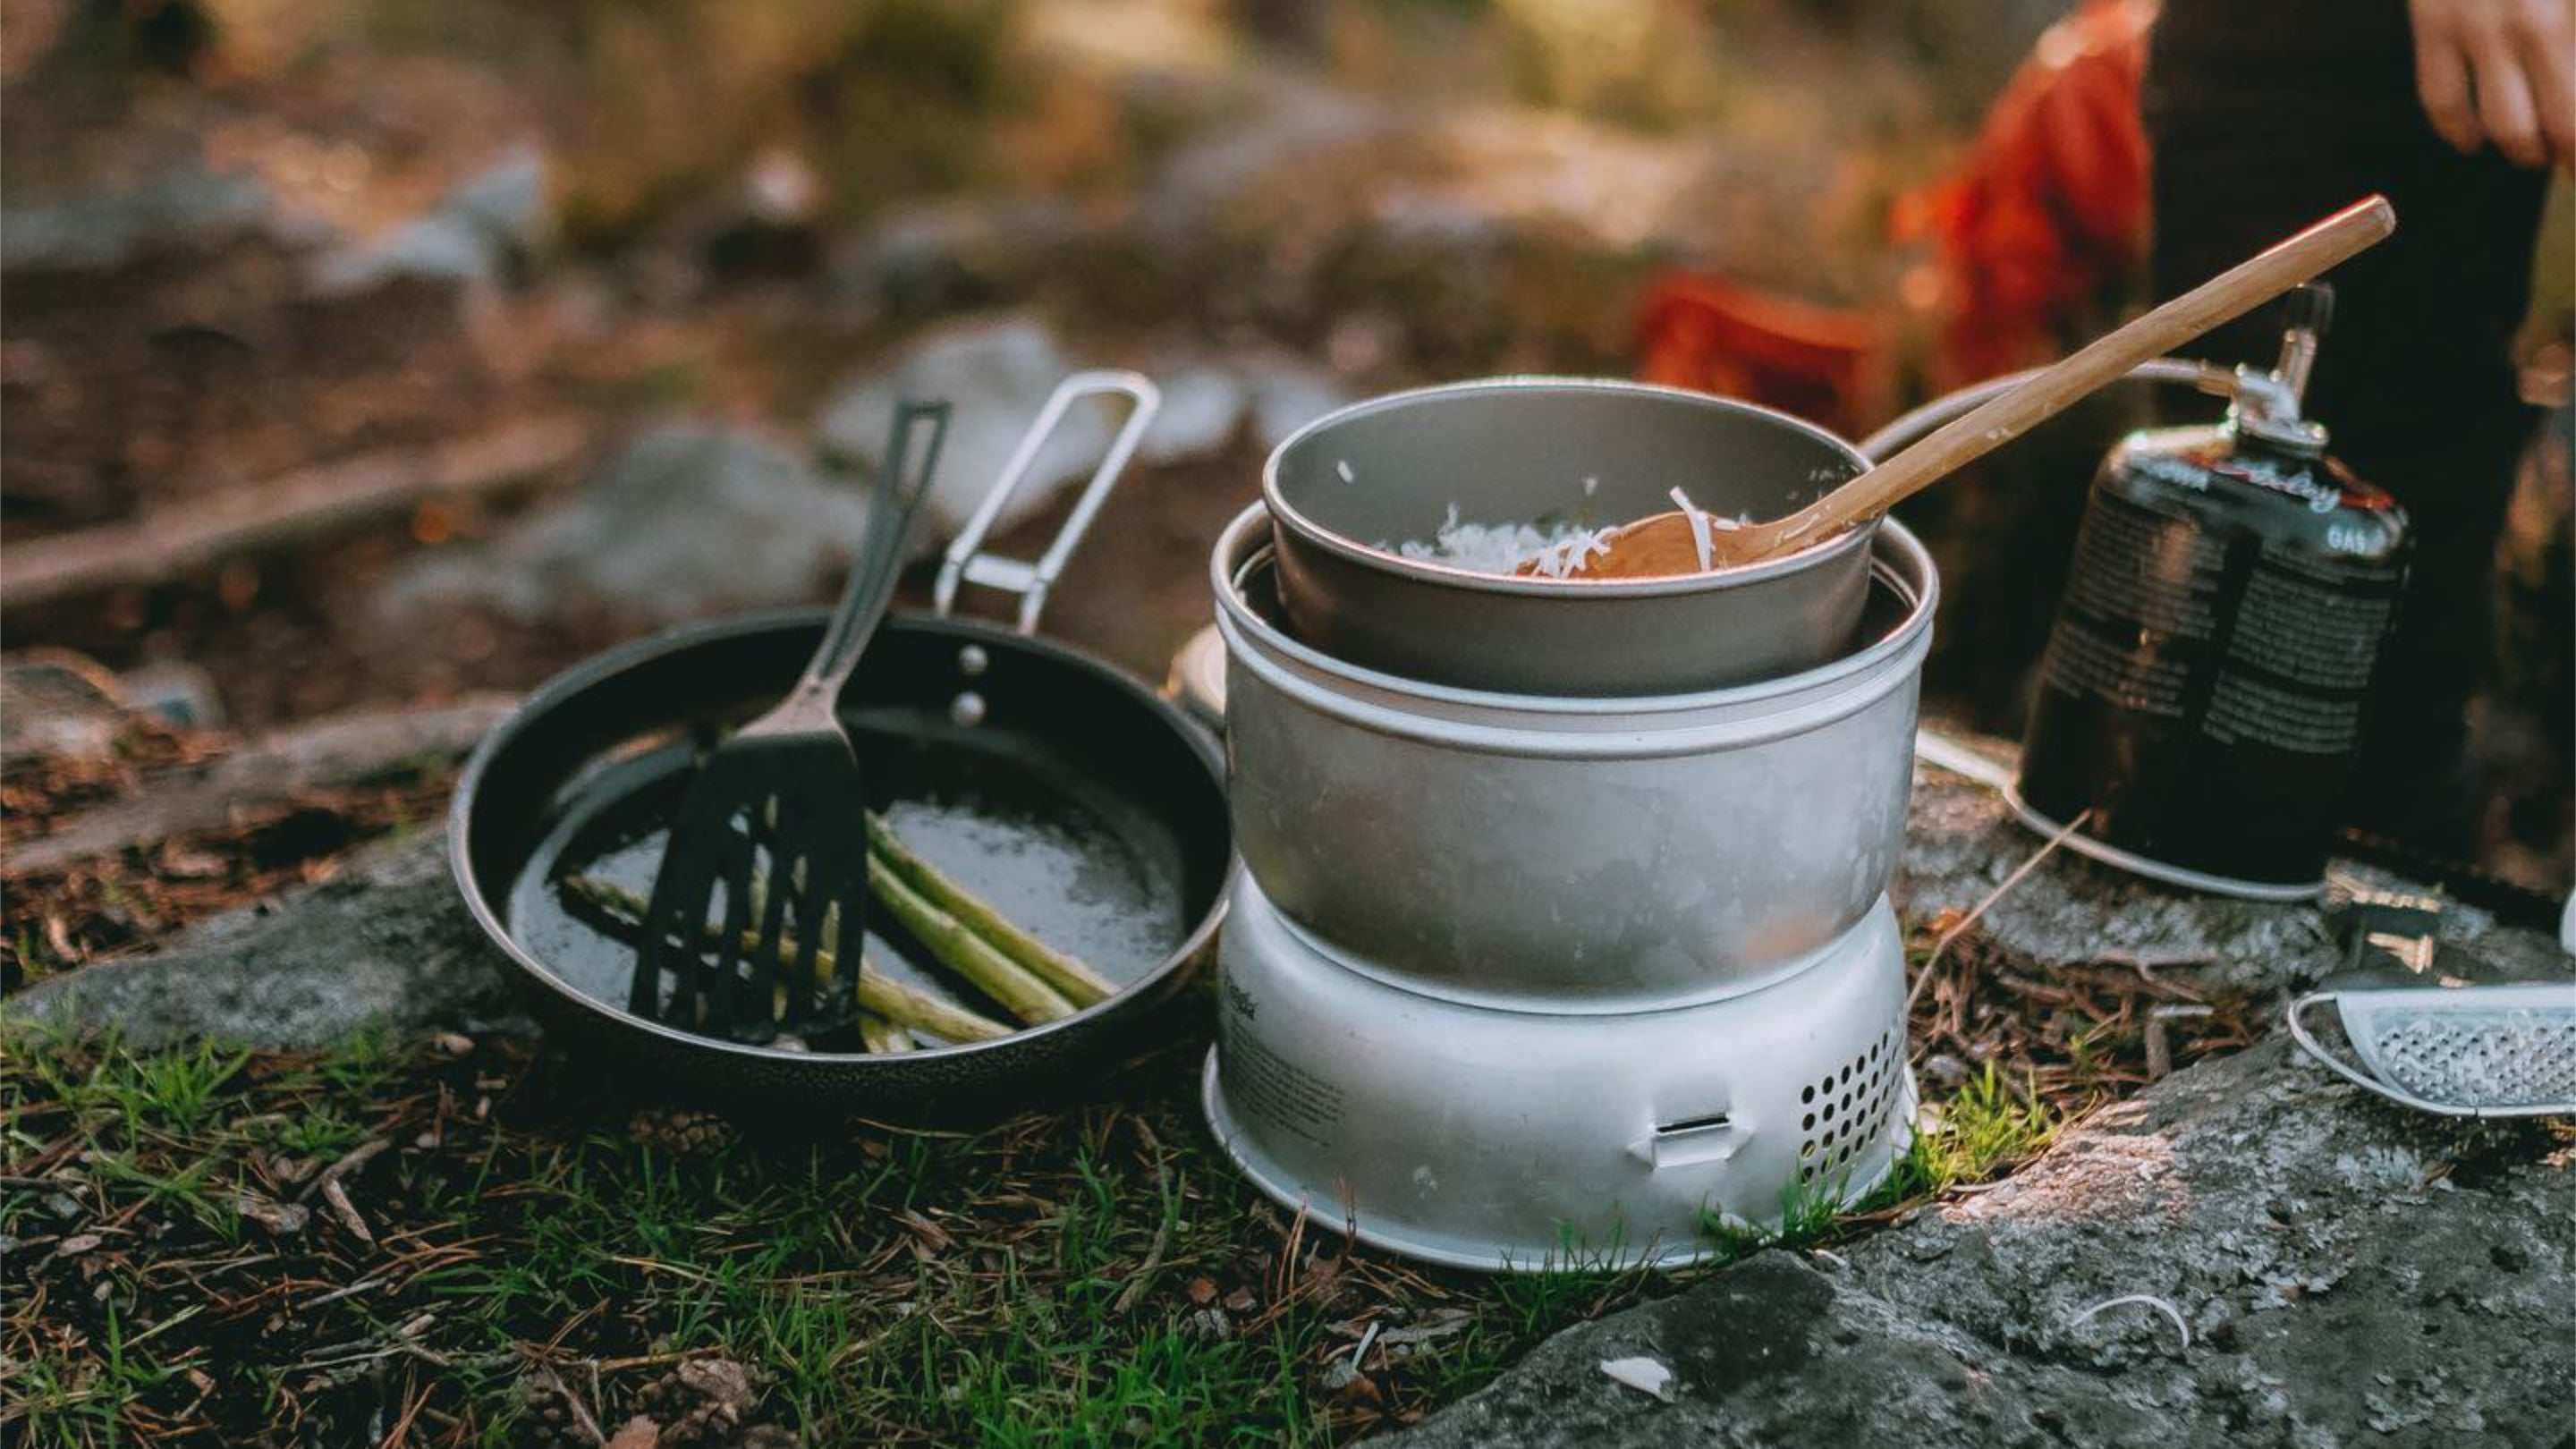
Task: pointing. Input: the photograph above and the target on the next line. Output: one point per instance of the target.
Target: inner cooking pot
(1347, 491)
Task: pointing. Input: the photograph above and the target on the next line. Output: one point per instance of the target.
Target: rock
(2071, 910)
(57, 704)
(771, 224)
(1503, 237)
(781, 187)
(937, 256)
(997, 372)
(1963, 841)
(1257, 167)
(284, 769)
(182, 693)
(1202, 403)
(280, 1219)
(681, 522)
(1501, 175)
(1363, 342)
(1287, 395)
(384, 944)
(498, 216)
(726, 1386)
(509, 203)
(442, 249)
(2350, 1273)
(184, 211)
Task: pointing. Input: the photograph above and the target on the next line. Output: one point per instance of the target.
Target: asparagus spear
(969, 955)
(957, 947)
(1070, 978)
(878, 993)
(880, 1035)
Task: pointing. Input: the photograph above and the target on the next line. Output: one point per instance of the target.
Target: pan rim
(551, 695)
(1341, 545)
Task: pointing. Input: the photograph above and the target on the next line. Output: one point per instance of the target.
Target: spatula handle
(2052, 389)
(880, 561)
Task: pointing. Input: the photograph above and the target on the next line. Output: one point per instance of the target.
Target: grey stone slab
(2349, 1273)
(384, 945)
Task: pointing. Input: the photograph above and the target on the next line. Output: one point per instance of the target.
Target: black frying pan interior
(1078, 803)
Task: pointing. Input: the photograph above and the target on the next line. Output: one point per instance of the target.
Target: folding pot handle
(1922, 422)
(966, 561)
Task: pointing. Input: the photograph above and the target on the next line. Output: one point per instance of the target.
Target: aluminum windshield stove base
(1489, 1137)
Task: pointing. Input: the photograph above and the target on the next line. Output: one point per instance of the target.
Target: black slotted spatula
(772, 836)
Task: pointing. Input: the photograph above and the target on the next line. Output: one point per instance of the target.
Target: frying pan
(1070, 793)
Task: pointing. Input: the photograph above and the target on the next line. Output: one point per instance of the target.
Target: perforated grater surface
(2440, 1043)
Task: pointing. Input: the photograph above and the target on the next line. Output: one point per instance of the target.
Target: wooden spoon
(1671, 543)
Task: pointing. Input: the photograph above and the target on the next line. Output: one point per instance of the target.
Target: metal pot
(1348, 488)
(1576, 855)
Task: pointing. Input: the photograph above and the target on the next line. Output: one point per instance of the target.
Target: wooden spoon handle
(2222, 298)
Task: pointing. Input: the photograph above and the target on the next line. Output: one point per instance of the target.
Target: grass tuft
(1988, 1127)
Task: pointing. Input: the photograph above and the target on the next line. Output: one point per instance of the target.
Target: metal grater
(2436, 1040)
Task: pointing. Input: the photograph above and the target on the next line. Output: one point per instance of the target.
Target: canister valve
(2267, 403)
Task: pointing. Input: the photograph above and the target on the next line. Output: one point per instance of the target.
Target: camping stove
(1517, 979)
(1490, 1138)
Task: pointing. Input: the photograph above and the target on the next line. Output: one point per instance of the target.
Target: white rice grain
(1504, 548)
(1698, 523)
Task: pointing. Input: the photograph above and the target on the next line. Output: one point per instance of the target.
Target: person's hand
(2500, 73)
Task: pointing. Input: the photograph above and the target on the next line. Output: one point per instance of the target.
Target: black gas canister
(2201, 701)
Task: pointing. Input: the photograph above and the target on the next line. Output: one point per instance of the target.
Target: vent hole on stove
(1848, 1109)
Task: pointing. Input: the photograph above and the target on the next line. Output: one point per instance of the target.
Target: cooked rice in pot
(1555, 549)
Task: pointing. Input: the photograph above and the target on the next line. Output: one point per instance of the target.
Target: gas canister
(2202, 697)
